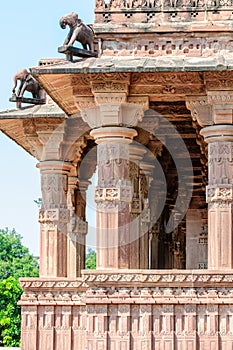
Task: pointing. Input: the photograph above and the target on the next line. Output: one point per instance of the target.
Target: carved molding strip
(134, 278)
(158, 5)
(169, 46)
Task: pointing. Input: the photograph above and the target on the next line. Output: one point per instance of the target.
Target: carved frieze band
(114, 194)
(54, 215)
(167, 46)
(157, 5)
(222, 194)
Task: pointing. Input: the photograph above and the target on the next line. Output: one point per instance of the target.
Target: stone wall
(129, 310)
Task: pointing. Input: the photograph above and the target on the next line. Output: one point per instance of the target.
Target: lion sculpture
(78, 31)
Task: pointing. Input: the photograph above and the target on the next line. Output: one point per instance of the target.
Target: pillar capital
(54, 167)
(113, 134)
(83, 184)
(217, 133)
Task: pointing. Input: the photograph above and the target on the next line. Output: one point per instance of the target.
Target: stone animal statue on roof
(78, 31)
(27, 83)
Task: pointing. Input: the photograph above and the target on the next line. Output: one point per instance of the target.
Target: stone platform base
(129, 310)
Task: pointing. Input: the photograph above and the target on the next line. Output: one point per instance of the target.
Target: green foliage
(15, 259)
(10, 320)
(15, 262)
(91, 259)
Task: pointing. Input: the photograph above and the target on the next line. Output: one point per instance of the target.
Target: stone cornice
(133, 278)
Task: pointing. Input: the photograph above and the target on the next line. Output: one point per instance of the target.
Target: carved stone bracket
(127, 114)
(201, 110)
(214, 108)
(222, 106)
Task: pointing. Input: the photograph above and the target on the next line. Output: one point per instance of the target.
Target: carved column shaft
(195, 240)
(145, 180)
(53, 217)
(136, 153)
(77, 228)
(113, 196)
(72, 270)
(219, 195)
(82, 225)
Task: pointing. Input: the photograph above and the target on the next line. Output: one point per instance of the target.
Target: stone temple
(152, 116)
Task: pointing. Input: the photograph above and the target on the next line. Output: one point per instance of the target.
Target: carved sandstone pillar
(114, 191)
(216, 108)
(113, 196)
(53, 217)
(219, 194)
(193, 230)
(136, 153)
(145, 181)
(54, 213)
(77, 227)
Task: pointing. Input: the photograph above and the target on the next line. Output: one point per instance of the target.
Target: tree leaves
(91, 259)
(15, 259)
(15, 262)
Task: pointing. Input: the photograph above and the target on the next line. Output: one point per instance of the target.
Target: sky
(29, 31)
